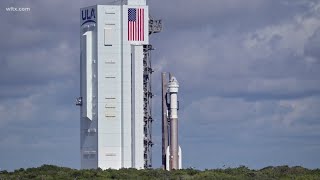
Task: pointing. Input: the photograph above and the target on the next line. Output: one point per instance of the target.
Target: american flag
(135, 24)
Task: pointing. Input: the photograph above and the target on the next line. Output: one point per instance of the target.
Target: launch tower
(115, 85)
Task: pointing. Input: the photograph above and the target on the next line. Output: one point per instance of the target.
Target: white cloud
(267, 60)
(280, 115)
(291, 35)
(39, 106)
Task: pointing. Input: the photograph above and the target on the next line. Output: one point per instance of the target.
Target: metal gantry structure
(147, 105)
(155, 26)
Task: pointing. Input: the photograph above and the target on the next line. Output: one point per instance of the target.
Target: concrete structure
(115, 86)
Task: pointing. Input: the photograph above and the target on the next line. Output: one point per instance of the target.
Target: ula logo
(88, 16)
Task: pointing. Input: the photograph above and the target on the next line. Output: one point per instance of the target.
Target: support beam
(164, 120)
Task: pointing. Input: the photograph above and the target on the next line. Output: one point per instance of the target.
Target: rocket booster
(173, 154)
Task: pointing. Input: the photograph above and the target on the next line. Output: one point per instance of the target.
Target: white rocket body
(173, 152)
(168, 159)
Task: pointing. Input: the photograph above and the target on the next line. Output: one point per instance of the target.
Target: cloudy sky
(249, 72)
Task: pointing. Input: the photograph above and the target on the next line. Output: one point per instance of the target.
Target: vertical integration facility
(115, 85)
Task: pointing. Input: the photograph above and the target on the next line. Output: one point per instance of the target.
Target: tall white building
(115, 86)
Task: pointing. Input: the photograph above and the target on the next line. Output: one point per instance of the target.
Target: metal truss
(155, 26)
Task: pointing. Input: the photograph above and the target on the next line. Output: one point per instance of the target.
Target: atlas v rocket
(171, 151)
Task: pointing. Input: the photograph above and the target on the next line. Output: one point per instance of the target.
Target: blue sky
(249, 72)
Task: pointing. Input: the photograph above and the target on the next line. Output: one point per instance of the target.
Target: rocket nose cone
(173, 85)
(174, 80)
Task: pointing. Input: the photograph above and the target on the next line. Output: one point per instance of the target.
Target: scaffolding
(155, 26)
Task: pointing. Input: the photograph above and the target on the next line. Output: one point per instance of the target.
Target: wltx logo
(88, 16)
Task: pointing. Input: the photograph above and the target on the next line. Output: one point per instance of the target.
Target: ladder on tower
(155, 26)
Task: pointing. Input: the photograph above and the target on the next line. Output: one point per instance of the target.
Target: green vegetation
(48, 172)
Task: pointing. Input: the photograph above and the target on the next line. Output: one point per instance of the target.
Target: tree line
(48, 172)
